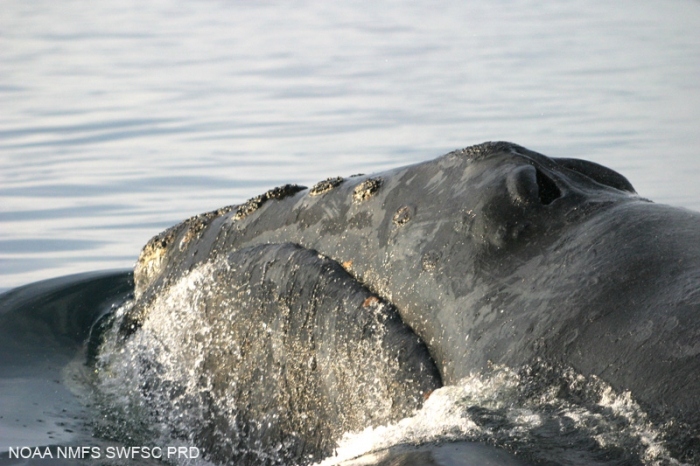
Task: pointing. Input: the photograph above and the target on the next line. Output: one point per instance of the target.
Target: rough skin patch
(366, 189)
(403, 215)
(326, 185)
(371, 301)
(430, 260)
(256, 202)
(198, 223)
(153, 255)
(481, 151)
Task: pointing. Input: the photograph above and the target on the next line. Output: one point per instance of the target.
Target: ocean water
(121, 119)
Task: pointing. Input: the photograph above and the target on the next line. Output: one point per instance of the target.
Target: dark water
(42, 330)
(120, 119)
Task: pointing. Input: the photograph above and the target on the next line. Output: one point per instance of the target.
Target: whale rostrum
(345, 305)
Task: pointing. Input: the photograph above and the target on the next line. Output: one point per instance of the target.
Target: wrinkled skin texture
(285, 352)
(493, 254)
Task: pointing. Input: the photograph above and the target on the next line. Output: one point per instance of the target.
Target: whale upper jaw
(492, 254)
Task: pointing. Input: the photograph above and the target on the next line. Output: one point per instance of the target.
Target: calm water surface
(120, 119)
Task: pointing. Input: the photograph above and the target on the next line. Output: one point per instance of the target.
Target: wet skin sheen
(493, 255)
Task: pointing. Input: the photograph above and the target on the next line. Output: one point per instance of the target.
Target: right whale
(492, 255)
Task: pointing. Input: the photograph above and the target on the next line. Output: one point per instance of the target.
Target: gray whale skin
(493, 254)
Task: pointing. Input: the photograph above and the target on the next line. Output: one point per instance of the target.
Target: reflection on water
(120, 119)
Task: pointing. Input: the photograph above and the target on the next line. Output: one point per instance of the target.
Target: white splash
(495, 409)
